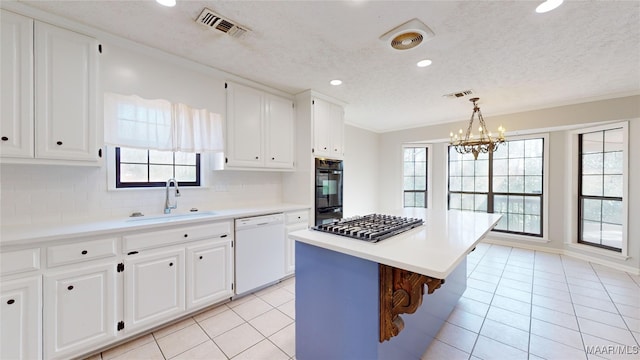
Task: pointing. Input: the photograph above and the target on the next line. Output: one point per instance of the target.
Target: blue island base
(337, 309)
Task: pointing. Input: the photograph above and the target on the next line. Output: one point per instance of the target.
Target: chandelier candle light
(485, 143)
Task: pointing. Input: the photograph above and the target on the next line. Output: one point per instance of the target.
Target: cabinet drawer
(14, 262)
(83, 251)
(169, 236)
(298, 217)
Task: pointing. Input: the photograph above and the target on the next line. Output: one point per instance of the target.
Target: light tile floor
(519, 304)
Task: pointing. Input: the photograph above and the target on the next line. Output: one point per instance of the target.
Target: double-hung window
(508, 181)
(415, 161)
(152, 168)
(600, 188)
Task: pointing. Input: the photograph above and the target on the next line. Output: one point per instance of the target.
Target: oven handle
(335, 172)
(329, 210)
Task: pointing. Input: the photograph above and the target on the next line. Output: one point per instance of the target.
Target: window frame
(576, 159)
(490, 193)
(428, 195)
(117, 184)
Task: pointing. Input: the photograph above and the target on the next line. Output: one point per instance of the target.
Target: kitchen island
(361, 300)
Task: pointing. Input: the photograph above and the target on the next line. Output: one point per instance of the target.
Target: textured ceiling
(512, 58)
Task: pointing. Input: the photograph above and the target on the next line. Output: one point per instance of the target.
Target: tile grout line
(573, 306)
(492, 296)
(614, 304)
(533, 278)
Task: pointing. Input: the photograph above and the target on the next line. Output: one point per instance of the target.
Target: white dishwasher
(259, 251)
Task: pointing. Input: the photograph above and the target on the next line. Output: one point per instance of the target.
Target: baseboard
(606, 263)
(527, 246)
(566, 252)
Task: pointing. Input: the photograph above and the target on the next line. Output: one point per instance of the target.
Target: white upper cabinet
(16, 79)
(65, 78)
(245, 115)
(279, 132)
(49, 93)
(260, 129)
(328, 129)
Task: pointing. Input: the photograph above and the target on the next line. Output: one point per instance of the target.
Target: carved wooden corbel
(401, 292)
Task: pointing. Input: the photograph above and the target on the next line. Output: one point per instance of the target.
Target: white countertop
(433, 249)
(19, 236)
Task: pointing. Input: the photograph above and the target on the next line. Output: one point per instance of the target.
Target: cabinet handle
(273, 158)
(84, 252)
(99, 153)
(70, 287)
(4, 138)
(298, 217)
(170, 264)
(325, 148)
(59, 142)
(257, 157)
(186, 235)
(200, 257)
(11, 301)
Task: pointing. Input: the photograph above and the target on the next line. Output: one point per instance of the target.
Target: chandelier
(484, 143)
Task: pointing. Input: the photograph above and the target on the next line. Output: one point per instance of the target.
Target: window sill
(182, 189)
(602, 252)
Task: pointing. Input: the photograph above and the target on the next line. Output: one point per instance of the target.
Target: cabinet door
(209, 273)
(153, 289)
(321, 127)
(279, 133)
(16, 79)
(290, 248)
(245, 111)
(79, 310)
(336, 131)
(20, 311)
(65, 78)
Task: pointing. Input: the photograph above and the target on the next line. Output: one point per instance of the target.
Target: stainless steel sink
(172, 217)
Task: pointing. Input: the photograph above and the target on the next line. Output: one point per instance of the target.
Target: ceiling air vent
(408, 35)
(459, 94)
(214, 21)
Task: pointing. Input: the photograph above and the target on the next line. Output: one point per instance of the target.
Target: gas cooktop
(372, 228)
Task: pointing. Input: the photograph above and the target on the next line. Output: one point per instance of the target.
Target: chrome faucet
(167, 203)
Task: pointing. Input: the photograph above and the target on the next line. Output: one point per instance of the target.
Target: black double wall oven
(328, 190)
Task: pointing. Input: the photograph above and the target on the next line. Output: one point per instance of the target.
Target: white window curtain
(132, 121)
(197, 130)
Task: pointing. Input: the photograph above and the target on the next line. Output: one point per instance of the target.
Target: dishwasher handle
(253, 222)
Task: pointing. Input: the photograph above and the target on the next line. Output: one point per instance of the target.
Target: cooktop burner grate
(373, 227)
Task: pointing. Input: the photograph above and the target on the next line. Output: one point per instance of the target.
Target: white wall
(34, 194)
(361, 168)
(553, 121)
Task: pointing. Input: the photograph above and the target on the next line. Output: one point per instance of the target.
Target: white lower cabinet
(79, 310)
(209, 273)
(20, 312)
(298, 220)
(154, 288)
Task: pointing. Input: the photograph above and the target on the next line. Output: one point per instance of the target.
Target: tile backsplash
(48, 194)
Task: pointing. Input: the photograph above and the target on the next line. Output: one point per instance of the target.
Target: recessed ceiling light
(335, 82)
(548, 6)
(424, 63)
(169, 3)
